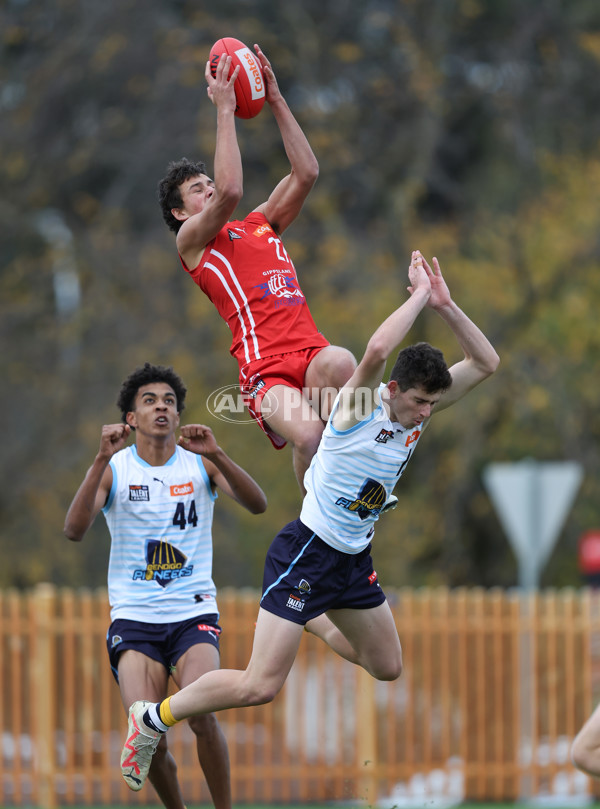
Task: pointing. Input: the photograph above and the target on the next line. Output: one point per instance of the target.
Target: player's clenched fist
(114, 437)
(198, 438)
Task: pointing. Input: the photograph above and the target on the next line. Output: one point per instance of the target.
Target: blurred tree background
(466, 128)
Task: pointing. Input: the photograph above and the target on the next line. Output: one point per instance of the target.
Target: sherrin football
(250, 83)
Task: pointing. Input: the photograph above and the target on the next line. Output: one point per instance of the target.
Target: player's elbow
(312, 172)
(307, 176)
(259, 505)
(312, 175)
(72, 533)
(74, 528)
(377, 351)
(231, 194)
(491, 363)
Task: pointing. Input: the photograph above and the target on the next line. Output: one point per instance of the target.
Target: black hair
(169, 195)
(421, 366)
(145, 375)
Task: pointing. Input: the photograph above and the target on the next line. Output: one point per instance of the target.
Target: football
(250, 83)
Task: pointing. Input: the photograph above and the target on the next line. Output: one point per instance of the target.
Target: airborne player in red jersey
(243, 267)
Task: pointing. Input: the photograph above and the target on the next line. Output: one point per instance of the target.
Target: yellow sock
(164, 712)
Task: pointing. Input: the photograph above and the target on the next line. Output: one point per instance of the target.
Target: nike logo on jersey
(233, 235)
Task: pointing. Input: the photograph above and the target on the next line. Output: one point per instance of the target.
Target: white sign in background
(532, 499)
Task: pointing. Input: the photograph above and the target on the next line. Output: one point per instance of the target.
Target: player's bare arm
(480, 360)
(94, 490)
(286, 200)
(368, 375)
(209, 205)
(221, 470)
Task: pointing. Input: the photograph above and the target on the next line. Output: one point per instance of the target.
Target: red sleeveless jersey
(248, 275)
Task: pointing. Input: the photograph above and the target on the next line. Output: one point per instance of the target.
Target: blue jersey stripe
(290, 568)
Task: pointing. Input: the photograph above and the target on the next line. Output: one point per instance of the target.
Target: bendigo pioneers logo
(371, 499)
(164, 563)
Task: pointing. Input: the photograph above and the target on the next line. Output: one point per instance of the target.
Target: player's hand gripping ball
(250, 88)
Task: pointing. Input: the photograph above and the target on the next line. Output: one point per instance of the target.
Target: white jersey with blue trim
(160, 522)
(352, 475)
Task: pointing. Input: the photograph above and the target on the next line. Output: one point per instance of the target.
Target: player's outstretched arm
(199, 228)
(287, 199)
(95, 488)
(221, 470)
(480, 360)
(385, 340)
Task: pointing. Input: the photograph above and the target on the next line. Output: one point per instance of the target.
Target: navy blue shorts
(305, 577)
(162, 642)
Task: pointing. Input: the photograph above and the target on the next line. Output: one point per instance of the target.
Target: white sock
(153, 719)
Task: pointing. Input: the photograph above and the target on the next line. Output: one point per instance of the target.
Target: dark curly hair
(421, 366)
(169, 195)
(145, 375)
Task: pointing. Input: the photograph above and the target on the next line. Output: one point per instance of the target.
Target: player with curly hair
(157, 496)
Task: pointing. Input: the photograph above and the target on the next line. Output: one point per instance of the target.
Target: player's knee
(260, 691)
(340, 366)
(576, 756)
(388, 670)
(583, 757)
(204, 725)
(330, 369)
(307, 439)
(345, 367)
(392, 673)
(261, 694)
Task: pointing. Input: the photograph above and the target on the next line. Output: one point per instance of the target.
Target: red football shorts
(257, 377)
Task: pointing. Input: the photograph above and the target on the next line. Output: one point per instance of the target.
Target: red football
(250, 83)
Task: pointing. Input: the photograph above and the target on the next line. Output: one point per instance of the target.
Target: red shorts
(257, 377)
